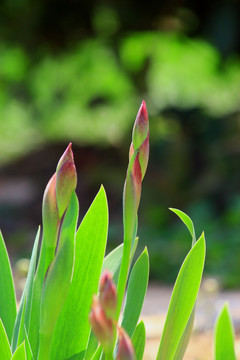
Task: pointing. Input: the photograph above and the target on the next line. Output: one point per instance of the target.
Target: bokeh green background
(74, 71)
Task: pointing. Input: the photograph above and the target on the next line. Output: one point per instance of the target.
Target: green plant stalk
(123, 275)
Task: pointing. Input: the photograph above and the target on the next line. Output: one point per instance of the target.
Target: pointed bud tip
(66, 156)
(143, 114)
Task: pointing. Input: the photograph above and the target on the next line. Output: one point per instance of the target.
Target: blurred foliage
(88, 94)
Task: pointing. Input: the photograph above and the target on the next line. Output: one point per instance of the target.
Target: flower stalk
(138, 159)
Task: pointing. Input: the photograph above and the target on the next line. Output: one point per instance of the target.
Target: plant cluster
(70, 307)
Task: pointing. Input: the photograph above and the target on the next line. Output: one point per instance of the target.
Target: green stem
(123, 276)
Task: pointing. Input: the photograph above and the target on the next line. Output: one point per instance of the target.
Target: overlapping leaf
(25, 307)
(8, 308)
(136, 290)
(5, 349)
(183, 300)
(138, 340)
(73, 328)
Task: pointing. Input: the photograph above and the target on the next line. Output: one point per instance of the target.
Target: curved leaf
(187, 221)
(183, 300)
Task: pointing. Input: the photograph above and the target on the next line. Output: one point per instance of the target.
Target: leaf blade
(5, 349)
(187, 221)
(8, 307)
(224, 336)
(139, 340)
(23, 317)
(73, 328)
(182, 300)
(136, 290)
(20, 353)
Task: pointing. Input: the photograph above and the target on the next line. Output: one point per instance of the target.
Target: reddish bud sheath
(125, 347)
(108, 294)
(50, 213)
(66, 180)
(141, 126)
(101, 325)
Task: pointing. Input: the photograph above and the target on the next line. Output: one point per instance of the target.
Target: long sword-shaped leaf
(136, 290)
(5, 349)
(112, 262)
(73, 328)
(26, 297)
(8, 308)
(224, 336)
(70, 221)
(183, 300)
(139, 340)
(29, 353)
(183, 343)
(20, 353)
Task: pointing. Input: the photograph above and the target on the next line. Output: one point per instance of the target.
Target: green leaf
(8, 308)
(73, 327)
(183, 300)
(20, 353)
(136, 290)
(69, 224)
(139, 340)
(182, 346)
(26, 299)
(36, 299)
(187, 221)
(91, 346)
(183, 343)
(224, 336)
(29, 353)
(21, 334)
(112, 262)
(5, 349)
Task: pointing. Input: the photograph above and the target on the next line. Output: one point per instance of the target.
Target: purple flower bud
(125, 347)
(101, 325)
(66, 180)
(108, 294)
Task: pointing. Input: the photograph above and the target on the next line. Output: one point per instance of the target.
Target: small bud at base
(125, 347)
(108, 294)
(101, 325)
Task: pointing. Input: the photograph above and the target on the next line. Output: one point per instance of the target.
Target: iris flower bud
(125, 347)
(140, 138)
(101, 325)
(108, 294)
(50, 213)
(66, 180)
(138, 159)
